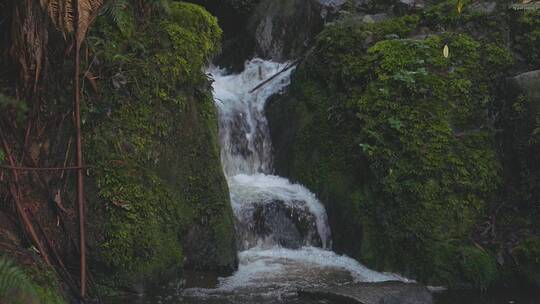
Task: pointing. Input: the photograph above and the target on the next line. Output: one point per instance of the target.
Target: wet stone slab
(371, 293)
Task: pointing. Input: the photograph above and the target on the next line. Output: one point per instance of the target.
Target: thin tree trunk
(80, 173)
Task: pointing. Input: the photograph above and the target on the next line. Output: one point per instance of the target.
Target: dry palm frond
(62, 15)
(88, 11)
(29, 41)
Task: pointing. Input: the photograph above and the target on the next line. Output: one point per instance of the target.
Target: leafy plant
(15, 286)
(121, 14)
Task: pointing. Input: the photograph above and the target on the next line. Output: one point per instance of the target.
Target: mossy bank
(403, 144)
(159, 198)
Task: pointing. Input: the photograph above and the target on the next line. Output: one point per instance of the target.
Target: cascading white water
(260, 200)
(244, 135)
(282, 228)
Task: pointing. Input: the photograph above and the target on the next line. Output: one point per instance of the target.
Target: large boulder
(282, 29)
(287, 224)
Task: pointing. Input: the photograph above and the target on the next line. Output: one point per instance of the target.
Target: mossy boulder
(396, 140)
(158, 199)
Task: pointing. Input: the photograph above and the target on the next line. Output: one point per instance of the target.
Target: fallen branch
(285, 69)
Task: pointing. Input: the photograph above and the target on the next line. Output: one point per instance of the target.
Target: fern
(121, 15)
(15, 286)
(120, 12)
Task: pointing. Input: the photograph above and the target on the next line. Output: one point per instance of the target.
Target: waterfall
(282, 228)
(243, 129)
(269, 210)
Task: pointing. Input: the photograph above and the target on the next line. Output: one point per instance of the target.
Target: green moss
(527, 255)
(487, 27)
(463, 266)
(479, 267)
(194, 35)
(526, 36)
(48, 288)
(395, 27)
(409, 156)
(152, 141)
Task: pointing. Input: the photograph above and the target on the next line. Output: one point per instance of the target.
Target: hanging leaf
(446, 51)
(459, 6)
(88, 11)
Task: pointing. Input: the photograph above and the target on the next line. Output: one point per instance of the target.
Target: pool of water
(171, 294)
(492, 297)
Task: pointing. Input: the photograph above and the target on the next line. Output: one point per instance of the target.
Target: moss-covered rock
(159, 200)
(397, 142)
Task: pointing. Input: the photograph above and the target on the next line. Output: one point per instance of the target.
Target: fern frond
(119, 12)
(14, 282)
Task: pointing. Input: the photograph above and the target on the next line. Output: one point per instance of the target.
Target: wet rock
(282, 29)
(373, 293)
(483, 7)
(288, 225)
(404, 7)
(375, 18)
(527, 84)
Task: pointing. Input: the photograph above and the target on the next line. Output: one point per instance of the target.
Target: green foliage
(527, 255)
(15, 286)
(527, 36)
(121, 14)
(456, 265)
(394, 28)
(486, 26)
(444, 14)
(521, 139)
(479, 267)
(417, 129)
(194, 36)
(17, 107)
(46, 285)
(341, 45)
(432, 181)
(20, 287)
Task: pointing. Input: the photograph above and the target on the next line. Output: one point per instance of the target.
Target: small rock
(374, 18)
(404, 7)
(483, 7)
(332, 3)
